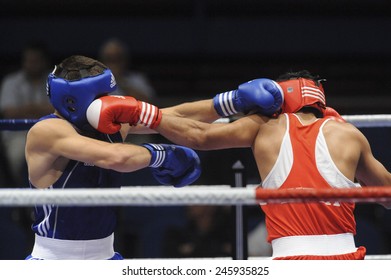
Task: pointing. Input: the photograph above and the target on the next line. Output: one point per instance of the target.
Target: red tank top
(291, 219)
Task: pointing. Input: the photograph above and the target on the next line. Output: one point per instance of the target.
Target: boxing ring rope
(192, 195)
(380, 120)
(238, 195)
(16, 124)
(196, 195)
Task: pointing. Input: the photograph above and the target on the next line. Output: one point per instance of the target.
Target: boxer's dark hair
(300, 74)
(77, 67)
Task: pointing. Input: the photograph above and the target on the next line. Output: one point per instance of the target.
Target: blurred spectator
(208, 233)
(115, 55)
(23, 95)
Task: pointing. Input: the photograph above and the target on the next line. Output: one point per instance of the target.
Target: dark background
(198, 48)
(194, 49)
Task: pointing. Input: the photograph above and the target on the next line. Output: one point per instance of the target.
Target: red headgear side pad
(301, 92)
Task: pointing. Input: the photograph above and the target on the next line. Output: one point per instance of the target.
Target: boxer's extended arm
(263, 96)
(107, 113)
(202, 110)
(204, 136)
(260, 95)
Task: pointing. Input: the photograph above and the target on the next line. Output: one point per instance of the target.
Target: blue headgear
(72, 98)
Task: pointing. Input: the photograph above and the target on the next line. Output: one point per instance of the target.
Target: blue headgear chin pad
(72, 98)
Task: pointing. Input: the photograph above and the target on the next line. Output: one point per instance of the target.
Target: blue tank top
(80, 223)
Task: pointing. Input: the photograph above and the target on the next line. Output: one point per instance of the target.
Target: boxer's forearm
(183, 131)
(202, 110)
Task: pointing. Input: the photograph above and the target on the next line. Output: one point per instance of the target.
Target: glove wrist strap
(150, 115)
(224, 103)
(158, 154)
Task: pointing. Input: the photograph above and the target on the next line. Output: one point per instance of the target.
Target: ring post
(239, 250)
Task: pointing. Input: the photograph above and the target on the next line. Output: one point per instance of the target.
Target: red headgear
(302, 92)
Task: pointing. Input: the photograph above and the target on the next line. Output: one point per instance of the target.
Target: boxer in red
(306, 146)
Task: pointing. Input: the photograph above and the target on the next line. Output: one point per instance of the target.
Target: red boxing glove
(330, 112)
(108, 112)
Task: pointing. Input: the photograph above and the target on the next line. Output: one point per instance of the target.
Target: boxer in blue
(64, 151)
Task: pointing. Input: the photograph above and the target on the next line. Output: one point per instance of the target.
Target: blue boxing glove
(174, 165)
(263, 96)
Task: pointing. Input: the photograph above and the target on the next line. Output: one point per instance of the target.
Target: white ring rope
(143, 196)
(369, 120)
(136, 196)
(194, 195)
